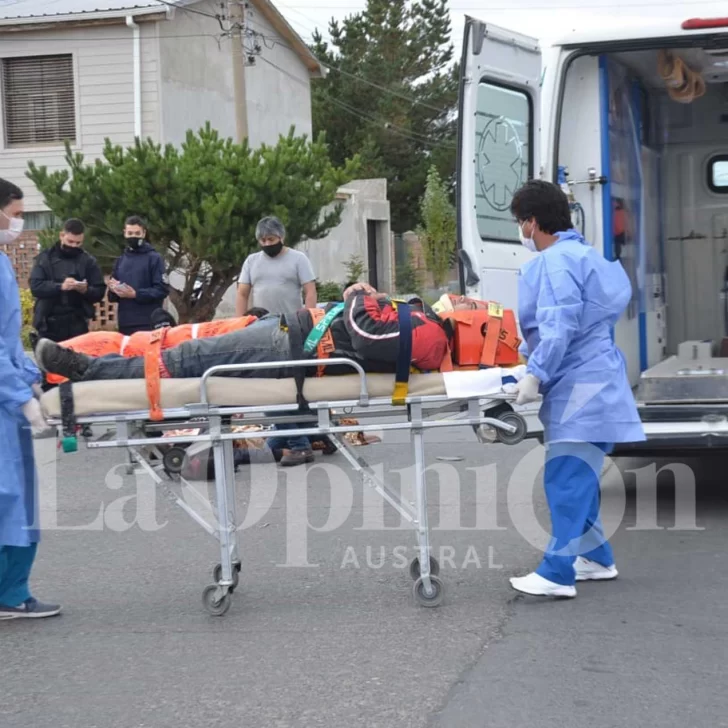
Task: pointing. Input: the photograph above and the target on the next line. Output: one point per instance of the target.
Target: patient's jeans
(262, 341)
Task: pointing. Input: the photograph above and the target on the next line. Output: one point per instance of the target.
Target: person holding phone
(66, 282)
(138, 282)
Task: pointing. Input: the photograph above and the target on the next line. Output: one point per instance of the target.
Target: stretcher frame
(133, 430)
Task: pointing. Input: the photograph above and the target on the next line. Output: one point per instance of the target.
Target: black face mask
(273, 250)
(68, 251)
(134, 243)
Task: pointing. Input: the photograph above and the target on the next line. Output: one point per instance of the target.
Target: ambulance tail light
(704, 23)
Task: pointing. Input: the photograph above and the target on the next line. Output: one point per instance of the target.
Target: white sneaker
(587, 570)
(537, 586)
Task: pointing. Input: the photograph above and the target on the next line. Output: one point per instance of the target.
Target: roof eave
(96, 15)
(283, 28)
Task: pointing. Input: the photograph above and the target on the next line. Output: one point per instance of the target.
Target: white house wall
(104, 95)
(197, 81)
(196, 74)
(276, 98)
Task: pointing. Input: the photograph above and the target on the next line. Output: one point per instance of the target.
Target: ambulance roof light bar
(704, 23)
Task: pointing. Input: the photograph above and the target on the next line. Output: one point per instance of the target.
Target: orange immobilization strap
(325, 347)
(152, 376)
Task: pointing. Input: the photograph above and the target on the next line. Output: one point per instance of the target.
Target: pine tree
(202, 202)
(391, 96)
(439, 230)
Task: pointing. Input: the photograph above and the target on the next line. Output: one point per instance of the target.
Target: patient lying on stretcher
(103, 343)
(365, 328)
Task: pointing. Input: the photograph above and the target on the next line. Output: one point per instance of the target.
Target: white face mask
(527, 243)
(15, 227)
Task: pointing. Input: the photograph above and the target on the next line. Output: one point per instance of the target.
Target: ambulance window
(502, 157)
(718, 174)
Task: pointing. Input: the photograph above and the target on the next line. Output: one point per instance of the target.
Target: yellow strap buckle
(495, 310)
(399, 396)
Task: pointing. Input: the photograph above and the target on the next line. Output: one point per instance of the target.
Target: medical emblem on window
(499, 162)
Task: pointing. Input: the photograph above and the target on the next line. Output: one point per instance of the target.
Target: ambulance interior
(657, 121)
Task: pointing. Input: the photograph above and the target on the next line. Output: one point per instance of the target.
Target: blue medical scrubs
(570, 298)
(19, 534)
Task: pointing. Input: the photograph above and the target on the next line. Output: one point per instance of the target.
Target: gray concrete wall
(197, 82)
(363, 200)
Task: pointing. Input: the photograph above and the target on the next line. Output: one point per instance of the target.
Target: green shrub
(26, 313)
(328, 291)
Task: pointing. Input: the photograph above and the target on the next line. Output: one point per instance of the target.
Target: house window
(718, 174)
(38, 100)
(503, 132)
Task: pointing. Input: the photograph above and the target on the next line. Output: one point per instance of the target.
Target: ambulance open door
(498, 150)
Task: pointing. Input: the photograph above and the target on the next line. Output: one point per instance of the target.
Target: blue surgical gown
(18, 482)
(569, 299)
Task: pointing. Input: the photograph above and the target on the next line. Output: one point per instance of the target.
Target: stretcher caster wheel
(415, 567)
(174, 460)
(69, 443)
(215, 605)
(217, 575)
(437, 592)
(514, 419)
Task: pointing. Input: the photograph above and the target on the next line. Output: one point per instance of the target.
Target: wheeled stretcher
(215, 405)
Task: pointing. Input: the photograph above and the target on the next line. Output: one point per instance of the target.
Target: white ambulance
(633, 122)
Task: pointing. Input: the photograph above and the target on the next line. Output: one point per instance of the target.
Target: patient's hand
(369, 290)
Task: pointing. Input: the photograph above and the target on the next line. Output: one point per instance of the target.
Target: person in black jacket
(66, 282)
(138, 282)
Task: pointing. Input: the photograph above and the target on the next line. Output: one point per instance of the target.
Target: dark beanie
(161, 318)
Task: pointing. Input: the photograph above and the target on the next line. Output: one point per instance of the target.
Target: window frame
(526, 92)
(709, 173)
(23, 147)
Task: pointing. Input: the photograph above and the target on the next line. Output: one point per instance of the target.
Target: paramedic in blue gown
(569, 299)
(20, 413)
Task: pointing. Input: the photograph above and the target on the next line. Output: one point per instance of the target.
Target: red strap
(152, 374)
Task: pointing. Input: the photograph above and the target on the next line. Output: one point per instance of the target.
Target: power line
(279, 41)
(359, 113)
(516, 8)
(194, 11)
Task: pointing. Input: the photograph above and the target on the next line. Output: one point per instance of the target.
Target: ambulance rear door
(498, 150)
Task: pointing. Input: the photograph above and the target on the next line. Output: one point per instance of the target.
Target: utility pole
(236, 13)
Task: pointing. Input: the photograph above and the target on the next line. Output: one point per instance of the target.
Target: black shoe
(53, 358)
(87, 432)
(329, 448)
(297, 457)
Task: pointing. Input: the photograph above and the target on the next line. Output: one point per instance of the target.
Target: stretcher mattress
(130, 395)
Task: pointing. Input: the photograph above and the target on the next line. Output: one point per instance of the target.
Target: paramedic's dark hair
(544, 201)
(8, 193)
(136, 220)
(74, 226)
(257, 312)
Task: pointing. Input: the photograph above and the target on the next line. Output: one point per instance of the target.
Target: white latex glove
(34, 414)
(37, 390)
(527, 389)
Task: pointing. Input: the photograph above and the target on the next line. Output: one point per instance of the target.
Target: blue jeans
(571, 481)
(300, 443)
(262, 341)
(15, 565)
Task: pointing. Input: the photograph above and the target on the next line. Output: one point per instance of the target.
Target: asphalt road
(341, 643)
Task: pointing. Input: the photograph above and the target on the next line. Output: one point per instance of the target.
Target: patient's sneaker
(55, 359)
(587, 570)
(29, 609)
(537, 586)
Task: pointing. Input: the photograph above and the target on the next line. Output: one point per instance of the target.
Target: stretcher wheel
(69, 443)
(512, 438)
(214, 606)
(217, 575)
(415, 567)
(434, 599)
(174, 460)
